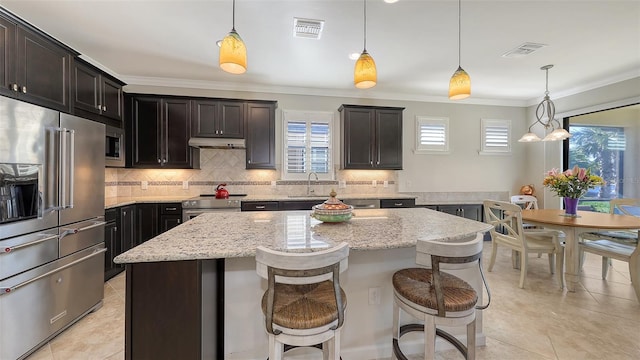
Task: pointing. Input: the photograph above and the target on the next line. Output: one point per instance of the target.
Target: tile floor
(601, 320)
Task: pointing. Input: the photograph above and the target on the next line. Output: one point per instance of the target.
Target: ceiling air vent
(523, 50)
(307, 28)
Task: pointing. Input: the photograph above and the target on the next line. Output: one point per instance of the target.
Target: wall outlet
(385, 184)
(144, 185)
(374, 183)
(374, 296)
(185, 185)
(342, 184)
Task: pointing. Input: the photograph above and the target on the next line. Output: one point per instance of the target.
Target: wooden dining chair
(620, 245)
(506, 219)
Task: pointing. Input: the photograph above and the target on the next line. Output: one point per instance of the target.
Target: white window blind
(496, 136)
(307, 144)
(432, 135)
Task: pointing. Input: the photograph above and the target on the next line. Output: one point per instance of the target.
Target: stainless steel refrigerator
(51, 223)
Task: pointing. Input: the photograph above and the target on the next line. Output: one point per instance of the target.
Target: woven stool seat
(304, 306)
(415, 285)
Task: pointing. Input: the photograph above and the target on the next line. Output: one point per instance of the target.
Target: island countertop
(238, 234)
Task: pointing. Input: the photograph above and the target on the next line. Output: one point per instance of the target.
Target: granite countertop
(238, 234)
(128, 200)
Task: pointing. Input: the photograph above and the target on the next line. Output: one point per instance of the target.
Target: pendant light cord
(233, 17)
(459, 31)
(365, 25)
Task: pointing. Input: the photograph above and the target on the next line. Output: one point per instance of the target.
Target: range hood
(217, 143)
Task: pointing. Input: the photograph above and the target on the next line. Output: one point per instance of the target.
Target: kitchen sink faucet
(310, 191)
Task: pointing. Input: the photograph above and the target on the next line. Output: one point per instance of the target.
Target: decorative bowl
(332, 218)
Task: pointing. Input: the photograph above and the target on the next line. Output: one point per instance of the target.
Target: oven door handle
(191, 212)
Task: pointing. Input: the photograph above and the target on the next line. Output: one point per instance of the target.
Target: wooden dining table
(572, 227)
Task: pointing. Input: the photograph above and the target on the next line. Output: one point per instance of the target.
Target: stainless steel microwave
(114, 148)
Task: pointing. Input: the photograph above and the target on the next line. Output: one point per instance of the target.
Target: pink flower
(582, 174)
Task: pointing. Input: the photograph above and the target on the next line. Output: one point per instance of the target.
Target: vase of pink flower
(571, 184)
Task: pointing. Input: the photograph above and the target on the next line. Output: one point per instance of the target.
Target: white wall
(462, 170)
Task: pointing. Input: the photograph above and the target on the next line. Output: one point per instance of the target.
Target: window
(496, 136)
(307, 145)
(432, 135)
(601, 149)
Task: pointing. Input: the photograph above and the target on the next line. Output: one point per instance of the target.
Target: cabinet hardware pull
(171, 209)
(99, 107)
(260, 206)
(14, 87)
(397, 204)
(104, 108)
(159, 161)
(24, 89)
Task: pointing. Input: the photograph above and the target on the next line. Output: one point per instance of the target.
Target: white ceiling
(414, 44)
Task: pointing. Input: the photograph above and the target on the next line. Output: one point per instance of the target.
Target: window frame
(432, 149)
(485, 149)
(308, 117)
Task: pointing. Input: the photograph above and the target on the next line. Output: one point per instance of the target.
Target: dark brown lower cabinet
(175, 310)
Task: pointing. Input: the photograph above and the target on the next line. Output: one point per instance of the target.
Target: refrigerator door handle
(67, 163)
(46, 237)
(9, 289)
(71, 231)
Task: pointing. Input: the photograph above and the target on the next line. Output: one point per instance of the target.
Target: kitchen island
(192, 292)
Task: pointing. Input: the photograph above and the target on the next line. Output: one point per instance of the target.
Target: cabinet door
(145, 127)
(146, 222)
(205, 113)
(388, 147)
(111, 92)
(169, 221)
(261, 136)
(112, 244)
(86, 83)
(231, 120)
(128, 227)
(176, 131)
(357, 138)
(43, 70)
(7, 57)
(473, 212)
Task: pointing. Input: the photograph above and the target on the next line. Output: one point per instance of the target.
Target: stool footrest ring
(288, 347)
(419, 327)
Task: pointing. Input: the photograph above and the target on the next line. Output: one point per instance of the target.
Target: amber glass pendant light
(233, 53)
(460, 83)
(365, 75)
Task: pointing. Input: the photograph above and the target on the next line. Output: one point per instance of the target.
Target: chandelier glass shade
(545, 116)
(365, 74)
(233, 52)
(460, 83)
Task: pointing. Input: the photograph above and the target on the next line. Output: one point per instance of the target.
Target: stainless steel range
(208, 203)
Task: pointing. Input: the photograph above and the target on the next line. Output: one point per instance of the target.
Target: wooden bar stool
(438, 298)
(304, 304)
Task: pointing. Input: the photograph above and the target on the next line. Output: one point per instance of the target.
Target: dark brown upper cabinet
(96, 95)
(261, 135)
(35, 68)
(218, 119)
(158, 130)
(371, 137)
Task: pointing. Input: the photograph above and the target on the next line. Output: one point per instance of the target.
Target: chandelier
(545, 115)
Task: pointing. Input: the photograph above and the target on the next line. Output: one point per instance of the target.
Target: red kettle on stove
(221, 192)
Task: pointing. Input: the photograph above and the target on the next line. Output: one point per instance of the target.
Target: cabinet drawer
(111, 214)
(171, 209)
(397, 203)
(260, 206)
(299, 205)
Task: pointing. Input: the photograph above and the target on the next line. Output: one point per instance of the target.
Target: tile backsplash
(228, 166)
